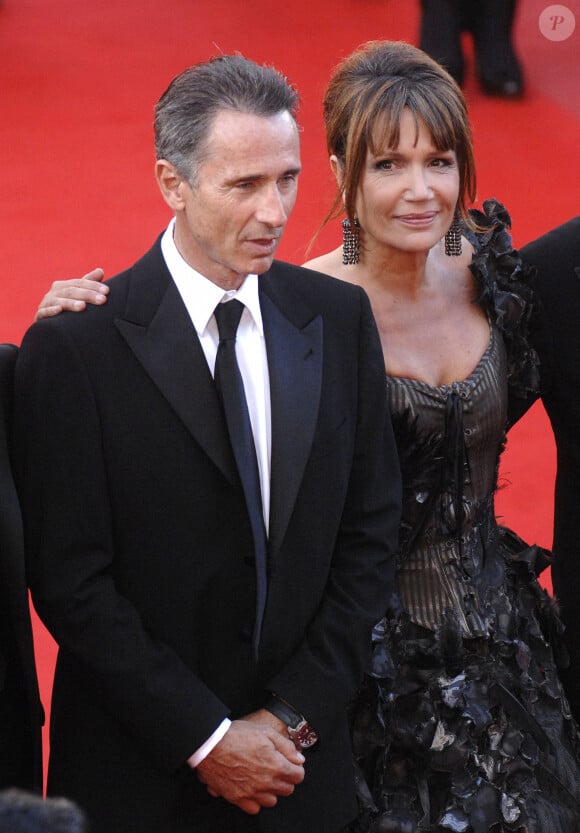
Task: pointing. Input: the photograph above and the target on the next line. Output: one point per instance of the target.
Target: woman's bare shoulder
(329, 263)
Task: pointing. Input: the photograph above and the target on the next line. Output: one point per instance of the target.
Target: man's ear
(171, 184)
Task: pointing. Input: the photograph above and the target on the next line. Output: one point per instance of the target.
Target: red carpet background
(78, 81)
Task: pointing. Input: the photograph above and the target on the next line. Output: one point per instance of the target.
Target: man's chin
(259, 265)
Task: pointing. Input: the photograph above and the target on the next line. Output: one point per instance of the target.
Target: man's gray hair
(24, 812)
(185, 112)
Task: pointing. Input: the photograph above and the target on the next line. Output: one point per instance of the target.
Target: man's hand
(253, 764)
(73, 295)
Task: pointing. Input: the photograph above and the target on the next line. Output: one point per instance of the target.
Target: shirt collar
(199, 294)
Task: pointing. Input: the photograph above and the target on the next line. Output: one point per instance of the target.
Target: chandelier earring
(453, 239)
(350, 241)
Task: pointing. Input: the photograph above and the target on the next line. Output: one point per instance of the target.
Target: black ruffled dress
(461, 723)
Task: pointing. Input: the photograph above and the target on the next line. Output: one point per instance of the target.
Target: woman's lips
(418, 219)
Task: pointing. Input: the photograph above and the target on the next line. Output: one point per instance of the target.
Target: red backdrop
(78, 80)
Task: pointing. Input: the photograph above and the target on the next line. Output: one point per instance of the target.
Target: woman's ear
(337, 168)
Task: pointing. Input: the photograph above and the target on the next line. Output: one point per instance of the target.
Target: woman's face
(407, 195)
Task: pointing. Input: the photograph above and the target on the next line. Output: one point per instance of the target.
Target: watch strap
(300, 731)
(280, 708)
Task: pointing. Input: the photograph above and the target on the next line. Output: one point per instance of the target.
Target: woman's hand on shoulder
(73, 295)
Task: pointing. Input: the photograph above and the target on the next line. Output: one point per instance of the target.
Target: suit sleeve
(69, 527)
(323, 674)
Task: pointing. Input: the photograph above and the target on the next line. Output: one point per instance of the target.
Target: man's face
(229, 222)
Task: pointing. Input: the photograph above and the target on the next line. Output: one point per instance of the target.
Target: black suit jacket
(20, 710)
(556, 255)
(140, 548)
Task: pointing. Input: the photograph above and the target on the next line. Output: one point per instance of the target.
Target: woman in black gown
(461, 723)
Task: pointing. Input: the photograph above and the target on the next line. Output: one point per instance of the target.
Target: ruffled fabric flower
(505, 290)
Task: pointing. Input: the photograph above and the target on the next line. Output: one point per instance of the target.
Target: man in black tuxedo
(192, 675)
(556, 256)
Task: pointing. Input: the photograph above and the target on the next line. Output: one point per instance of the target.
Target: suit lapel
(158, 330)
(294, 350)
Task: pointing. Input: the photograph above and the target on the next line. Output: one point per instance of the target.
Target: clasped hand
(253, 764)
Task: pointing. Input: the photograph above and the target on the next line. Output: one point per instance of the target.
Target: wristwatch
(299, 729)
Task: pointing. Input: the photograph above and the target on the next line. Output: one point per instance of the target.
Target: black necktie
(230, 388)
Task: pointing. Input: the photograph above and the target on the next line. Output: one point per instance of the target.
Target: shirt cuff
(209, 744)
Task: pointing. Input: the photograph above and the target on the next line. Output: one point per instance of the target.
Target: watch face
(303, 735)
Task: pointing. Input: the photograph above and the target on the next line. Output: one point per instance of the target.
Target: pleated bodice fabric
(438, 573)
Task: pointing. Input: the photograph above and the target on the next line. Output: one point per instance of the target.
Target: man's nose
(271, 209)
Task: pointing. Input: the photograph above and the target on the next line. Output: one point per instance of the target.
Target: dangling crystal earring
(350, 241)
(453, 239)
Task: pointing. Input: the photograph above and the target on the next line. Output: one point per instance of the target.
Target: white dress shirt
(201, 296)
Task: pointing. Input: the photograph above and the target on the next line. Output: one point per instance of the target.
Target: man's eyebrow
(244, 178)
(258, 177)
